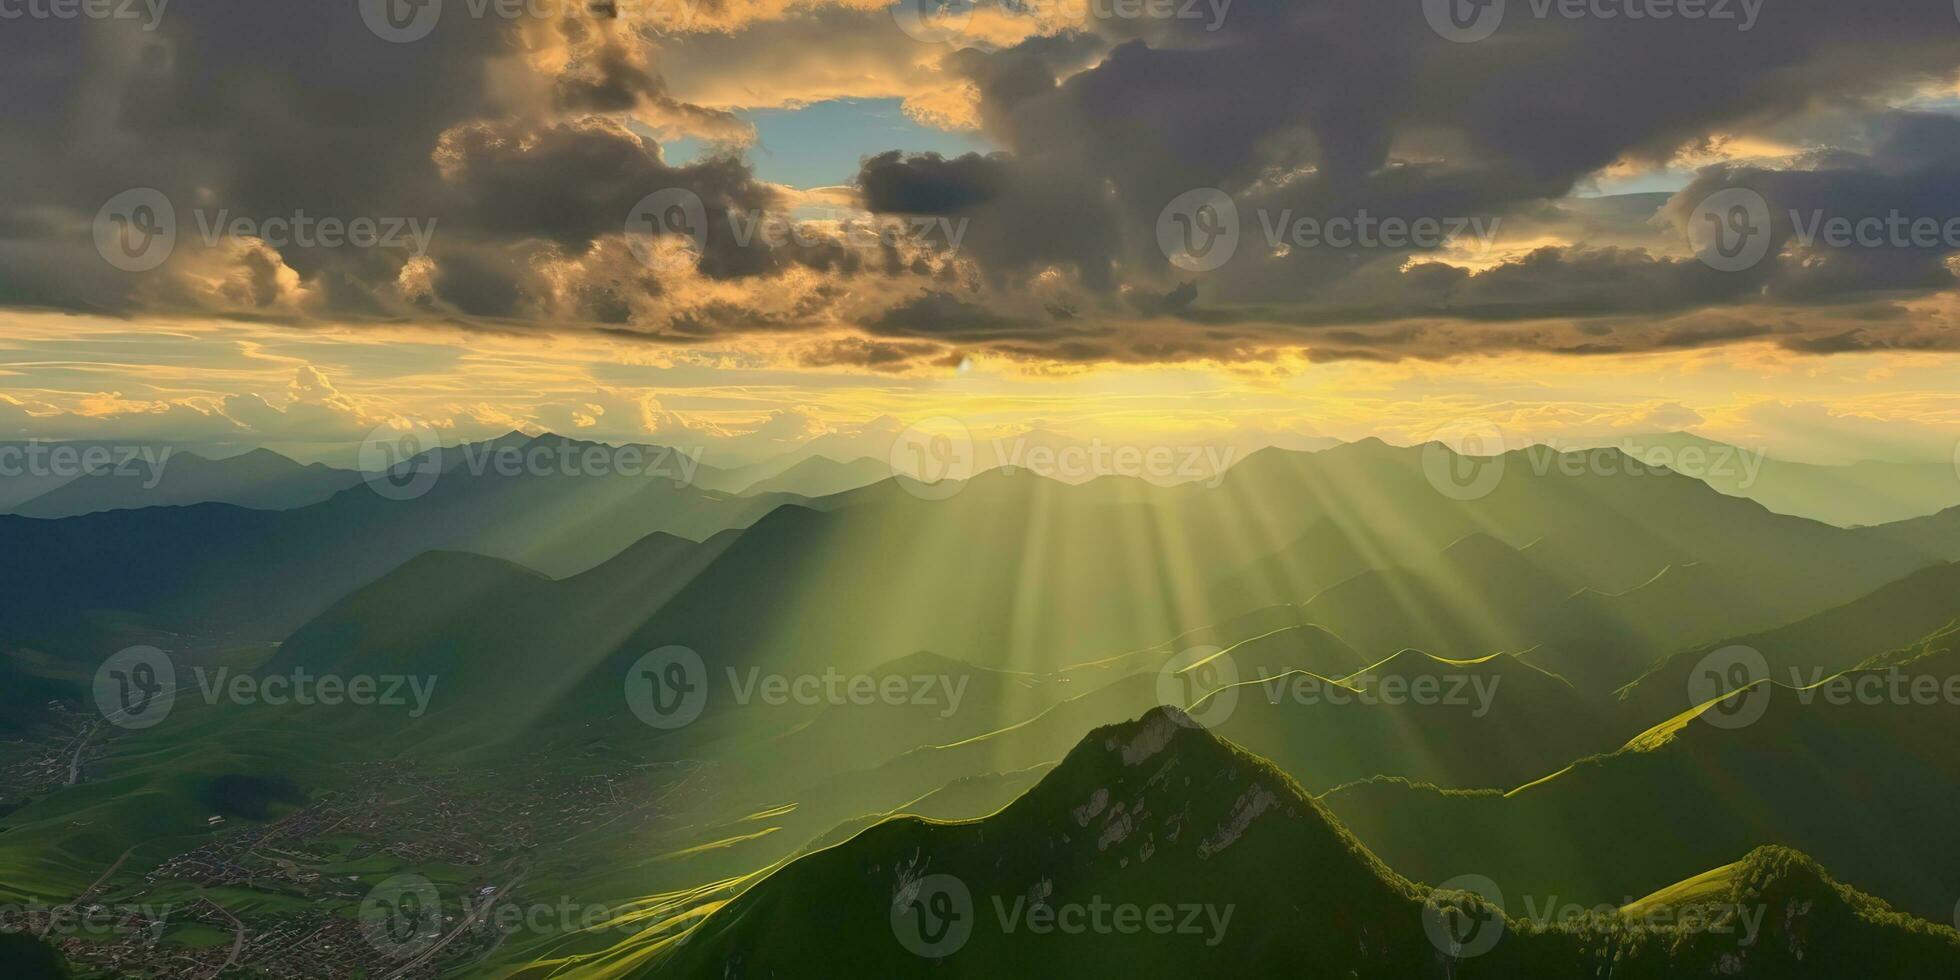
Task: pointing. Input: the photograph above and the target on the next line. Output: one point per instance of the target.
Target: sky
(743, 225)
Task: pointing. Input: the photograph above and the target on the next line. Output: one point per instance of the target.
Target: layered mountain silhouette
(1157, 849)
(1861, 782)
(1891, 617)
(1849, 494)
(260, 479)
(97, 581)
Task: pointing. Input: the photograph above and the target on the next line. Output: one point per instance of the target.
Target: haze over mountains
(1369, 655)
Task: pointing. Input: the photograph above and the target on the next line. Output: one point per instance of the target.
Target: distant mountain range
(1850, 494)
(260, 479)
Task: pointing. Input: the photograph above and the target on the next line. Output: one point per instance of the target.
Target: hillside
(1850, 494)
(1894, 616)
(1254, 876)
(260, 479)
(821, 476)
(1810, 773)
(107, 579)
(1489, 722)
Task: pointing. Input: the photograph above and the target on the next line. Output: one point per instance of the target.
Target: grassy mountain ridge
(1836, 639)
(1158, 814)
(1809, 773)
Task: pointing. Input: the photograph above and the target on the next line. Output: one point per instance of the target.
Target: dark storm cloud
(271, 110)
(1298, 108)
(1334, 108)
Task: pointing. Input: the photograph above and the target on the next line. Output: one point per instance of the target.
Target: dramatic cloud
(1397, 193)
